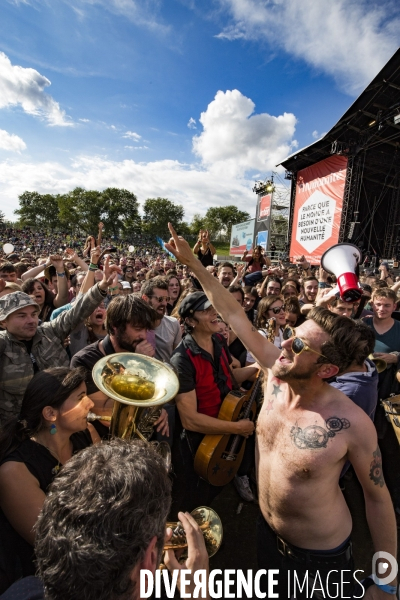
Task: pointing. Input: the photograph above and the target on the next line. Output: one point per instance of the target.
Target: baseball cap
(14, 301)
(126, 285)
(192, 303)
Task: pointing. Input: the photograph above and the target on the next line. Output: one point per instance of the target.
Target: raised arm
(35, 270)
(62, 283)
(73, 257)
(231, 311)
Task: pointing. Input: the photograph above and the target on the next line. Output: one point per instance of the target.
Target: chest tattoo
(316, 436)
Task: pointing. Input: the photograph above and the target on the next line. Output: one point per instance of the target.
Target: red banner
(318, 208)
(264, 207)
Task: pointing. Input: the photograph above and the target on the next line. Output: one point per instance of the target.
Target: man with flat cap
(202, 362)
(27, 347)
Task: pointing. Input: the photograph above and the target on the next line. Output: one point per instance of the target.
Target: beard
(289, 373)
(125, 343)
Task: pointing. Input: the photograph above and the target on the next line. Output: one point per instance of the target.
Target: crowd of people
(86, 513)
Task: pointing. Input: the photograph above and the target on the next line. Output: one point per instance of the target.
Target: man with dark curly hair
(103, 521)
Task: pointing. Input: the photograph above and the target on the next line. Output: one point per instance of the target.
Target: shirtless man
(305, 432)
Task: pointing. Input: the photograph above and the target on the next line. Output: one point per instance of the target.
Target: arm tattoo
(315, 436)
(375, 470)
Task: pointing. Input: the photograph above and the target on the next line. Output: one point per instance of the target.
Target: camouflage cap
(14, 301)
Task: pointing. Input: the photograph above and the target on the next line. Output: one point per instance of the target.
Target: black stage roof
(369, 135)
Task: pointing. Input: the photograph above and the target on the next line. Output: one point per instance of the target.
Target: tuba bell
(139, 386)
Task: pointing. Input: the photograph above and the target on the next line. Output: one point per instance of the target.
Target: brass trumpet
(380, 364)
(211, 528)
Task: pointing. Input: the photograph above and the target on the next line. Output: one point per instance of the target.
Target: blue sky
(186, 99)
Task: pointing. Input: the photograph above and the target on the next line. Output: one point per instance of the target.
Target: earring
(53, 429)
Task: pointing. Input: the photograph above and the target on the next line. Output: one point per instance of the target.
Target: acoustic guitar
(218, 457)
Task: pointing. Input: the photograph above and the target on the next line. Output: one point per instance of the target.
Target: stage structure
(272, 212)
(367, 141)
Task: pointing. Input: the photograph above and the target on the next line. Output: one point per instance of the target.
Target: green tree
(2, 218)
(197, 223)
(221, 218)
(38, 210)
(120, 211)
(157, 212)
(81, 209)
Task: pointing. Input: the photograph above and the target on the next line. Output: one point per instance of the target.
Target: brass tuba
(139, 386)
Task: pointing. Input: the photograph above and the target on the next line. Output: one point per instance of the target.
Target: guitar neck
(252, 395)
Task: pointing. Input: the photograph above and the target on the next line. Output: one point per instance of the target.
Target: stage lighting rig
(264, 187)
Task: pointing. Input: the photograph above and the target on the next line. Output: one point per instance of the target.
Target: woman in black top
(51, 427)
(204, 249)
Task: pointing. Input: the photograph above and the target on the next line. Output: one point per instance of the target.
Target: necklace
(55, 469)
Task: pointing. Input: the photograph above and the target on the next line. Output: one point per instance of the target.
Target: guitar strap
(235, 385)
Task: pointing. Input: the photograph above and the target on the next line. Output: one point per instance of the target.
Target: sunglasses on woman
(298, 345)
(277, 309)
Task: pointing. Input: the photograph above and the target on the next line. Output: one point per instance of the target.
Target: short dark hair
(236, 288)
(292, 305)
(248, 289)
(364, 342)
(339, 349)
(150, 285)
(274, 279)
(98, 519)
(334, 301)
(226, 264)
(129, 310)
(310, 278)
(8, 268)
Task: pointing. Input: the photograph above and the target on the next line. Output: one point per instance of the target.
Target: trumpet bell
(380, 364)
(211, 528)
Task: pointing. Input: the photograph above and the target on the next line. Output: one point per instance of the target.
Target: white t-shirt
(277, 342)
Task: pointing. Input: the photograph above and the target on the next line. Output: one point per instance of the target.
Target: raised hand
(57, 261)
(197, 554)
(95, 255)
(180, 248)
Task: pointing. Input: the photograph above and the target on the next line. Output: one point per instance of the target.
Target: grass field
(222, 247)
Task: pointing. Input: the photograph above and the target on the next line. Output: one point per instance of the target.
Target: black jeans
(300, 565)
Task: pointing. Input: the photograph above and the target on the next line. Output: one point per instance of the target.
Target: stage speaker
(341, 260)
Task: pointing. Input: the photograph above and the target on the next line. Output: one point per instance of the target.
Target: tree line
(81, 210)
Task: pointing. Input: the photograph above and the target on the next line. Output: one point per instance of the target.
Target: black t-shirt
(87, 358)
(28, 345)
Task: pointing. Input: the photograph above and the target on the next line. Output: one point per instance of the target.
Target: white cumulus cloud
(186, 184)
(236, 140)
(11, 142)
(25, 87)
(132, 135)
(350, 40)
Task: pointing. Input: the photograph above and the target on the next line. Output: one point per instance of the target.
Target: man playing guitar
(202, 363)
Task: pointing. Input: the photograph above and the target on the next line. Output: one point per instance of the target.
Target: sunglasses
(277, 310)
(161, 298)
(298, 345)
